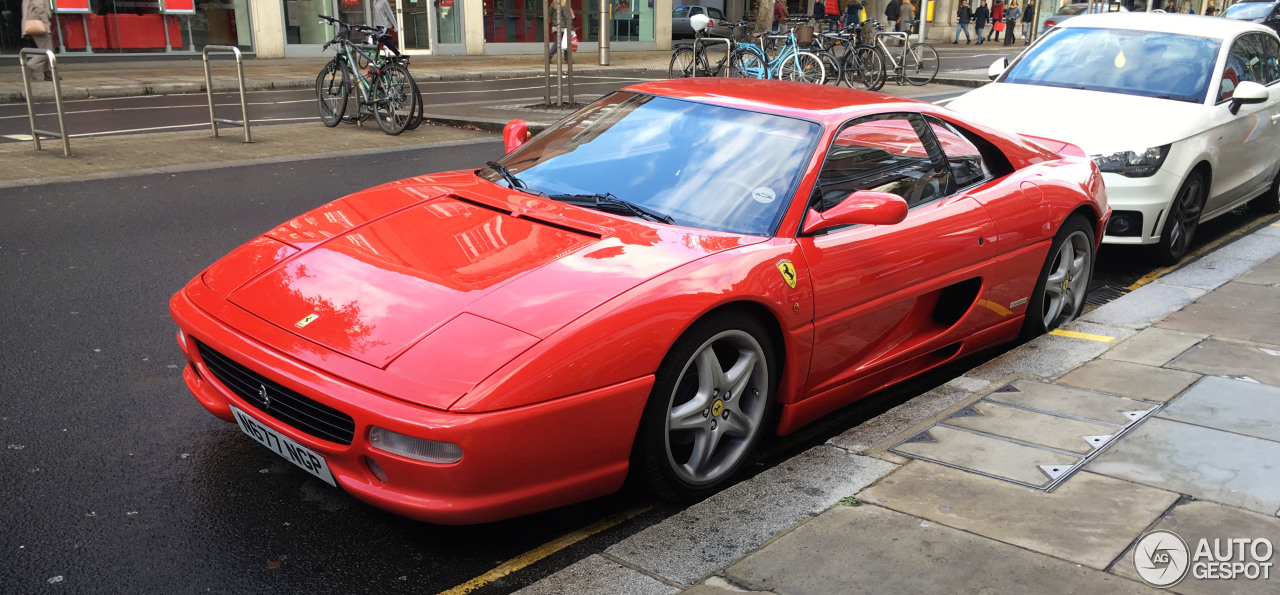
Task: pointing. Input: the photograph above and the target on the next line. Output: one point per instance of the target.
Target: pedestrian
(906, 13)
(980, 17)
(997, 20)
(963, 16)
(35, 24)
(853, 13)
(892, 13)
(779, 15)
(833, 14)
(1011, 17)
(819, 11)
(1028, 21)
(561, 12)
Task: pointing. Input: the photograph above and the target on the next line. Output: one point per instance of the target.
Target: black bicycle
(375, 73)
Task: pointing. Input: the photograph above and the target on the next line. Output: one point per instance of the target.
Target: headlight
(1133, 164)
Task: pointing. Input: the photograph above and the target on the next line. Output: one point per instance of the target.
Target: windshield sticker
(1120, 60)
(763, 195)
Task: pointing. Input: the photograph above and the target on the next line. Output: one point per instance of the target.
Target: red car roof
(830, 105)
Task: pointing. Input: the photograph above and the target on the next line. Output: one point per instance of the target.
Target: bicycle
(685, 56)
(748, 60)
(919, 64)
(386, 91)
(862, 64)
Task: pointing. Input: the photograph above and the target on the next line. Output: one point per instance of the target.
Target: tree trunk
(764, 15)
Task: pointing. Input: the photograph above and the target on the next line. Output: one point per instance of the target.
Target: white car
(1180, 112)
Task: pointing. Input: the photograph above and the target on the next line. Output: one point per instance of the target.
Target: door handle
(1275, 118)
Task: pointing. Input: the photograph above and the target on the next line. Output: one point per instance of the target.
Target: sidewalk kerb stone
(1144, 306)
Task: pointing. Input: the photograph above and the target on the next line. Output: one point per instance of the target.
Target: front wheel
(682, 63)
(863, 66)
(803, 67)
(744, 63)
(1064, 279)
(832, 67)
(331, 93)
(1182, 221)
(709, 407)
(921, 64)
(394, 99)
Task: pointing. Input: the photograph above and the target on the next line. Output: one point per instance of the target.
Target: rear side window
(964, 160)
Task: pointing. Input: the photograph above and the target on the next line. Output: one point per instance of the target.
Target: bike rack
(57, 99)
(208, 87)
(728, 49)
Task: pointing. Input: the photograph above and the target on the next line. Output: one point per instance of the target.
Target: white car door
(1248, 140)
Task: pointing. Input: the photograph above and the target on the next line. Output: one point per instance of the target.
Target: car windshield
(1145, 63)
(1248, 10)
(704, 166)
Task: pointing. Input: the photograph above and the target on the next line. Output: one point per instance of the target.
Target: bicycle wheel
(331, 93)
(803, 67)
(417, 107)
(832, 67)
(745, 63)
(682, 63)
(863, 66)
(921, 64)
(393, 99)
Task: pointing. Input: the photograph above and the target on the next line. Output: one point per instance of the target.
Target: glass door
(417, 22)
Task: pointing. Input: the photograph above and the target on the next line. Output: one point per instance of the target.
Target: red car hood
(374, 284)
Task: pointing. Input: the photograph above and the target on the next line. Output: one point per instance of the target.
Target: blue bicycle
(748, 60)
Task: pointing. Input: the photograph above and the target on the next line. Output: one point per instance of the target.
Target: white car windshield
(1145, 63)
(1248, 11)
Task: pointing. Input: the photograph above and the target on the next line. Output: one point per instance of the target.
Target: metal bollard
(57, 99)
(208, 87)
(728, 49)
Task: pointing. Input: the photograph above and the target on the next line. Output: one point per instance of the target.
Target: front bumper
(1150, 197)
(514, 462)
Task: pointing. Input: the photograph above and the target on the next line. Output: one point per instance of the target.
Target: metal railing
(208, 86)
(57, 99)
(728, 49)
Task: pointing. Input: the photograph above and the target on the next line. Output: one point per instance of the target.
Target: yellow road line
(1085, 336)
(1162, 271)
(546, 549)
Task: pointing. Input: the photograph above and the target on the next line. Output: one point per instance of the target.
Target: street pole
(924, 17)
(604, 33)
(546, 66)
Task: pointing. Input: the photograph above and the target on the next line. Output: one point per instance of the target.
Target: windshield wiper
(609, 201)
(506, 174)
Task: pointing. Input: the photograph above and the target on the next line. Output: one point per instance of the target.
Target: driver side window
(883, 153)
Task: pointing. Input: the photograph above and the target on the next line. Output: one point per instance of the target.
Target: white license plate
(309, 460)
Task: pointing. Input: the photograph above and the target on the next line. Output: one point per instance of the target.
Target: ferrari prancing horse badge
(788, 271)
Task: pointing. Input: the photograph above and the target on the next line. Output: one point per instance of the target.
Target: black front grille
(287, 406)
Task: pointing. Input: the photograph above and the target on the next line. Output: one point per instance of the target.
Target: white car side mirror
(997, 67)
(1248, 92)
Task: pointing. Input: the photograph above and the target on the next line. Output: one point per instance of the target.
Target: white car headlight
(1133, 164)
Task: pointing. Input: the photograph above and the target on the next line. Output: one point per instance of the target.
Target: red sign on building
(179, 6)
(71, 6)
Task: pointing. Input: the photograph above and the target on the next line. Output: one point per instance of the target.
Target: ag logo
(1161, 558)
(788, 271)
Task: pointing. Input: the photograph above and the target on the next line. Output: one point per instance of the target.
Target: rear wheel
(832, 67)
(1182, 221)
(709, 407)
(921, 64)
(744, 63)
(331, 93)
(682, 63)
(1269, 201)
(804, 67)
(394, 99)
(863, 66)
(1064, 279)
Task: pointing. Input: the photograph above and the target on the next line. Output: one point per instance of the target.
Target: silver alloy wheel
(1068, 281)
(717, 407)
(1186, 214)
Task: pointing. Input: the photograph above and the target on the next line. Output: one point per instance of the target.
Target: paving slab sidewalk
(1204, 463)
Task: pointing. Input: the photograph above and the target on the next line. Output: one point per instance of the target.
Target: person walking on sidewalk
(1028, 20)
(980, 17)
(833, 14)
(35, 24)
(907, 13)
(779, 15)
(997, 20)
(892, 13)
(1011, 17)
(963, 16)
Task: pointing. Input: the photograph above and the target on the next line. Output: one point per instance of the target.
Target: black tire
(417, 107)
(681, 63)
(1065, 276)
(744, 63)
(832, 67)
(331, 93)
(1182, 221)
(922, 64)
(863, 67)
(664, 456)
(393, 96)
(1269, 201)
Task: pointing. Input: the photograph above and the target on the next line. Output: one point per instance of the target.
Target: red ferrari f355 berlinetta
(647, 287)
